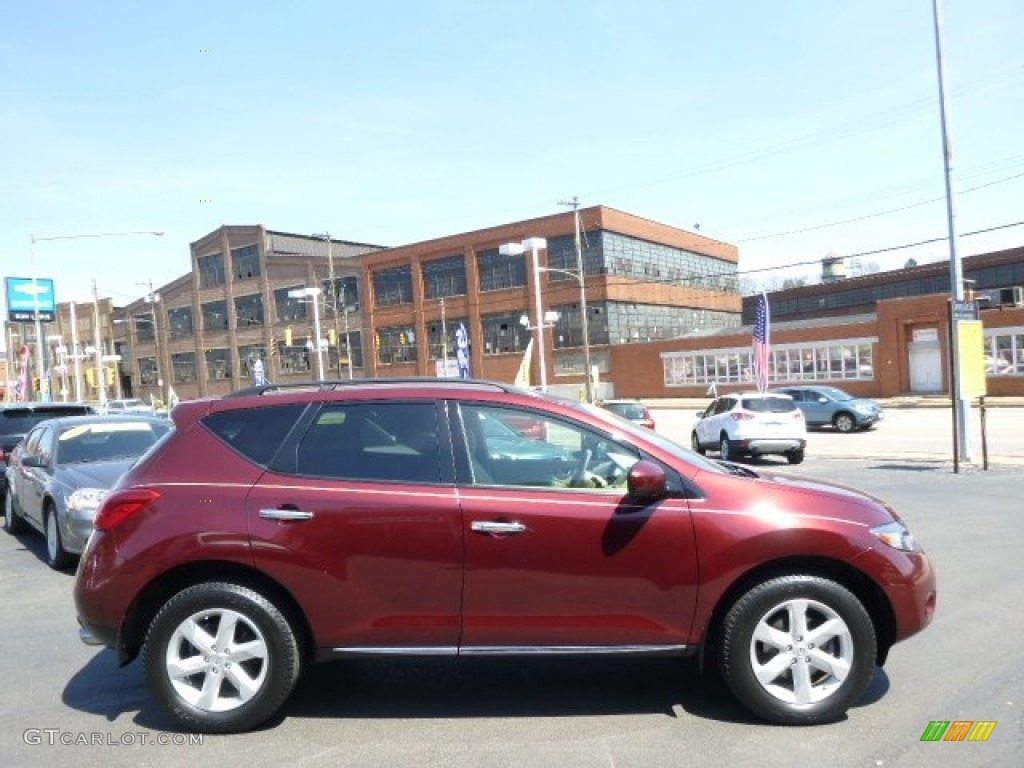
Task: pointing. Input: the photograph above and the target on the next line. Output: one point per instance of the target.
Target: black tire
(795, 456)
(724, 449)
(844, 422)
(13, 522)
(849, 652)
(254, 618)
(695, 443)
(57, 557)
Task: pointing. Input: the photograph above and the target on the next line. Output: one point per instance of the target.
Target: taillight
(122, 505)
(742, 416)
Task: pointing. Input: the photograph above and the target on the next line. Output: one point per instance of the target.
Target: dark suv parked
(17, 419)
(284, 525)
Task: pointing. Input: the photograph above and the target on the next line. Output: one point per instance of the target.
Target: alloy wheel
(217, 660)
(801, 651)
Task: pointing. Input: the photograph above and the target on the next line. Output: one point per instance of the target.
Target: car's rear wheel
(724, 451)
(795, 456)
(695, 443)
(12, 520)
(798, 650)
(57, 557)
(221, 658)
(844, 422)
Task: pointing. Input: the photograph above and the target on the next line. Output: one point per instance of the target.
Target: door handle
(287, 515)
(482, 526)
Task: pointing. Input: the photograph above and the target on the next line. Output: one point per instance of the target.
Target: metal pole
(444, 340)
(334, 301)
(76, 353)
(44, 383)
(539, 321)
(101, 384)
(348, 339)
(583, 304)
(319, 347)
(961, 405)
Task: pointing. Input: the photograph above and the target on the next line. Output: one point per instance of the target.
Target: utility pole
(574, 203)
(326, 236)
(348, 339)
(76, 353)
(153, 298)
(101, 384)
(444, 340)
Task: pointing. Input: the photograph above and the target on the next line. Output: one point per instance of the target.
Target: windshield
(627, 410)
(769, 404)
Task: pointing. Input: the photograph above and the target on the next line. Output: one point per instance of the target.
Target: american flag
(762, 353)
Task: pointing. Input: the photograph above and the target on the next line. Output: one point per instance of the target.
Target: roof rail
(332, 385)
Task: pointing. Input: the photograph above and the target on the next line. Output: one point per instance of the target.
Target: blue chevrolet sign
(25, 295)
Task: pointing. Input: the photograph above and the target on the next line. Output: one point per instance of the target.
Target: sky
(792, 129)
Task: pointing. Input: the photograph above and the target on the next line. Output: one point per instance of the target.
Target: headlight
(86, 499)
(897, 536)
(864, 408)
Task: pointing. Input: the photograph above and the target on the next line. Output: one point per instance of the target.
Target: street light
(533, 244)
(302, 293)
(44, 384)
(326, 236)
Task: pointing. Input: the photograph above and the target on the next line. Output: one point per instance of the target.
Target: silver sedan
(60, 473)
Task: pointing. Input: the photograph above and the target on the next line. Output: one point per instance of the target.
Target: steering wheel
(583, 478)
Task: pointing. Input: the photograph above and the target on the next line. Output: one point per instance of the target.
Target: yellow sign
(971, 349)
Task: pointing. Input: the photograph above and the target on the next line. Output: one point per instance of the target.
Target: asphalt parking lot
(966, 666)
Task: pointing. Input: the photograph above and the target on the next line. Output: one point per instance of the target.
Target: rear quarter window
(256, 433)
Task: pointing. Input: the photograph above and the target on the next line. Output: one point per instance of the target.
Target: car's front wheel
(695, 443)
(844, 422)
(221, 658)
(12, 520)
(798, 650)
(56, 556)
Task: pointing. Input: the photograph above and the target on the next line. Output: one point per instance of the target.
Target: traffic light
(109, 376)
(90, 377)
(332, 337)
(35, 384)
(273, 347)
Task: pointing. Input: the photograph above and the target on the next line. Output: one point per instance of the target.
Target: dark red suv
(284, 525)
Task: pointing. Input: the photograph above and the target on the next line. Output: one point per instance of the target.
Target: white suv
(751, 423)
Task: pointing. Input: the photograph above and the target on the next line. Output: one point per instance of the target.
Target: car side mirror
(700, 414)
(646, 480)
(33, 461)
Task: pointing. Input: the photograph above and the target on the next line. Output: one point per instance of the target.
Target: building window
(1004, 352)
(847, 360)
(183, 368)
(211, 270)
(392, 286)
(444, 277)
(568, 328)
(245, 262)
(148, 372)
(248, 310)
(396, 344)
(297, 359)
(144, 327)
(337, 354)
(562, 255)
(179, 321)
(215, 316)
(248, 354)
(504, 334)
(497, 272)
(630, 323)
(218, 364)
(346, 293)
(434, 335)
(289, 309)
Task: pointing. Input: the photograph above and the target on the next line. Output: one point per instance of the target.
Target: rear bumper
(768, 445)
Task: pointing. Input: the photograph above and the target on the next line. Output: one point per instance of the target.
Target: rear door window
(374, 441)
